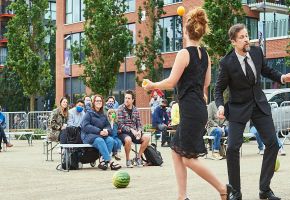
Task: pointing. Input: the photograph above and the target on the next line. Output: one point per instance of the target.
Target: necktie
(249, 72)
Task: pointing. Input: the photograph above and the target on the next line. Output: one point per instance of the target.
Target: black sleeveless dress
(188, 140)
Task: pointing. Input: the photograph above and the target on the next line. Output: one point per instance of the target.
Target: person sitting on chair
(95, 130)
(129, 123)
(160, 122)
(75, 117)
(217, 128)
(2, 133)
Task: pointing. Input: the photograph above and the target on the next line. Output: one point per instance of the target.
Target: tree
(106, 43)
(11, 93)
(149, 61)
(28, 51)
(222, 14)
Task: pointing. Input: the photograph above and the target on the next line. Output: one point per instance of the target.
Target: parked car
(280, 110)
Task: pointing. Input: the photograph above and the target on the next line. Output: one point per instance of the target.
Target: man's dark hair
(80, 101)
(130, 92)
(234, 30)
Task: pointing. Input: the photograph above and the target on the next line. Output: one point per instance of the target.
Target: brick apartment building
(70, 20)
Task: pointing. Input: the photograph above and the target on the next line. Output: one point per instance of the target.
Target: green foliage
(149, 62)
(222, 14)
(11, 93)
(106, 43)
(38, 133)
(28, 52)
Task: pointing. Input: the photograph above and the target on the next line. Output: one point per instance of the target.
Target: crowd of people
(104, 125)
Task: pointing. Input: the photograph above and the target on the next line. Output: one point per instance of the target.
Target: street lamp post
(264, 27)
(68, 62)
(125, 74)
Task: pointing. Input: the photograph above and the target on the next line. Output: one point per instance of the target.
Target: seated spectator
(155, 101)
(58, 120)
(160, 122)
(75, 117)
(129, 123)
(2, 133)
(175, 117)
(261, 145)
(217, 128)
(112, 117)
(95, 130)
(109, 104)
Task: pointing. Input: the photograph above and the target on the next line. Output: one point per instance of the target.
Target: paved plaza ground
(24, 174)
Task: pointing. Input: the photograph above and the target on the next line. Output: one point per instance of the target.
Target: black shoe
(103, 165)
(229, 192)
(235, 196)
(268, 195)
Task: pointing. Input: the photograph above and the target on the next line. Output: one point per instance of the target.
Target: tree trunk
(32, 102)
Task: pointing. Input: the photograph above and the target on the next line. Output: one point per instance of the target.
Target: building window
(3, 29)
(51, 11)
(166, 2)
(280, 65)
(74, 11)
(252, 26)
(119, 88)
(130, 5)
(78, 88)
(3, 55)
(171, 33)
(132, 29)
(76, 40)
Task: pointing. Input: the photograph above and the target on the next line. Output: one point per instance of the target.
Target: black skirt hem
(188, 155)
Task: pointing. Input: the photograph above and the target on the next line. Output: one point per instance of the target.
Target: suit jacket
(243, 95)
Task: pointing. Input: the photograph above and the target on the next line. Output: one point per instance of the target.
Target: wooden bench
(28, 133)
(67, 149)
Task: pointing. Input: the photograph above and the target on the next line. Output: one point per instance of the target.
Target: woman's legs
(101, 145)
(180, 174)
(197, 166)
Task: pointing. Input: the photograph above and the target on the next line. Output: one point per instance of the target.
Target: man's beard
(246, 48)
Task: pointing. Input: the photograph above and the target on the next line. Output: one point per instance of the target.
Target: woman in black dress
(191, 73)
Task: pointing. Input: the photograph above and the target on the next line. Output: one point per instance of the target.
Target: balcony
(4, 11)
(278, 6)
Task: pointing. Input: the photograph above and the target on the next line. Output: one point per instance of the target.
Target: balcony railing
(277, 29)
(279, 2)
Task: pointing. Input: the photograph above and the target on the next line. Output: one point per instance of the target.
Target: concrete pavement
(24, 174)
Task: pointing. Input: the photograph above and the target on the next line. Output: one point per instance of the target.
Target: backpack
(73, 160)
(73, 135)
(152, 156)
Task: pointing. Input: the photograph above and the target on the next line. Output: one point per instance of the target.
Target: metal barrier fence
(39, 119)
(284, 113)
(23, 120)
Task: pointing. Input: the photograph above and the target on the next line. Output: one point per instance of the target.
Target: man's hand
(286, 78)
(221, 112)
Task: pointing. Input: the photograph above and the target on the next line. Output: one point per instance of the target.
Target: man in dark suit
(241, 70)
